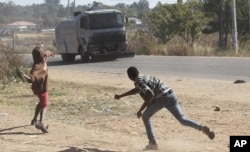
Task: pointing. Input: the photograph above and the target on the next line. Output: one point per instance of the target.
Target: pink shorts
(44, 100)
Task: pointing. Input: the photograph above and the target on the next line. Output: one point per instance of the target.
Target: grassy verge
(69, 102)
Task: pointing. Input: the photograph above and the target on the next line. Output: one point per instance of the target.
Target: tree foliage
(221, 12)
(48, 14)
(185, 20)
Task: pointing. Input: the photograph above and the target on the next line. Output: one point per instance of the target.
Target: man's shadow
(75, 149)
(3, 131)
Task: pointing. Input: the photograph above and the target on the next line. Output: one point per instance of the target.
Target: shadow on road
(59, 63)
(75, 149)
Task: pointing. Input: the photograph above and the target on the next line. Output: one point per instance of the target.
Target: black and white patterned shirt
(146, 82)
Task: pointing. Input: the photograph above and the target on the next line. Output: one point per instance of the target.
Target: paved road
(223, 68)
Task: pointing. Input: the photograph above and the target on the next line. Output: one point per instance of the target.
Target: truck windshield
(107, 20)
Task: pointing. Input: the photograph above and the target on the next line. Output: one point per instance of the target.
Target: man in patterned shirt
(157, 95)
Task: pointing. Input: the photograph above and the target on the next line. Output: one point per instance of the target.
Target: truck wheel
(85, 56)
(68, 57)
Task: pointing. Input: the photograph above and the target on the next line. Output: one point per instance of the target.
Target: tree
(185, 20)
(222, 32)
(160, 22)
(221, 13)
(243, 19)
(142, 7)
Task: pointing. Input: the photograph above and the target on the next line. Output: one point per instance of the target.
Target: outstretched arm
(128, 93)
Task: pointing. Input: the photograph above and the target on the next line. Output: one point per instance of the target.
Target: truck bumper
(125, 54)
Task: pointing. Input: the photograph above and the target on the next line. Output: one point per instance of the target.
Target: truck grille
(108, 37)
(107, 42)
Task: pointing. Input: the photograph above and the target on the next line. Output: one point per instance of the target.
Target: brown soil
(221, 105)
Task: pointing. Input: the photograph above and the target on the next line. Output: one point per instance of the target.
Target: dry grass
(9, 62)
(70, 102)
(24, 43)
(35, 35)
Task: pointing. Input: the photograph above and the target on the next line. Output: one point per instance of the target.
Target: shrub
(9, 62)
(144, 43)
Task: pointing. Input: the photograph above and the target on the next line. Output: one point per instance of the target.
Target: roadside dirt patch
(108, 129)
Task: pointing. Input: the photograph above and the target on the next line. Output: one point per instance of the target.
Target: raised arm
(47, 54)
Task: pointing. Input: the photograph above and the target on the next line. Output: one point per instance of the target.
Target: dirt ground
(125, 133)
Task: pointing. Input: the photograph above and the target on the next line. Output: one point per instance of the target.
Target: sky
(152, 3)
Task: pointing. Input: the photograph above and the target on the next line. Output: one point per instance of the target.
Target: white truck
(93, 34)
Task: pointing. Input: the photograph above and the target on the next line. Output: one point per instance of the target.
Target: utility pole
(234, 27)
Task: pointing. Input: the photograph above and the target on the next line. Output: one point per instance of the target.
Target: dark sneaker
(45, 129)
(41, 127)
(207, 132)
(151, 146)
(33, 122)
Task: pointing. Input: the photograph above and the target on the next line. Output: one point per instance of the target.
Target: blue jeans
(170, 102)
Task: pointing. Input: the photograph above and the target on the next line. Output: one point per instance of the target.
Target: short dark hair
(37, 55)
(133, 72)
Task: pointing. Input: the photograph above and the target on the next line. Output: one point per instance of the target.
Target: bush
(9, 62)
(144, 43)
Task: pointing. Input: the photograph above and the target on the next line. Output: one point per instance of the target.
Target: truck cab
(93, 34)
